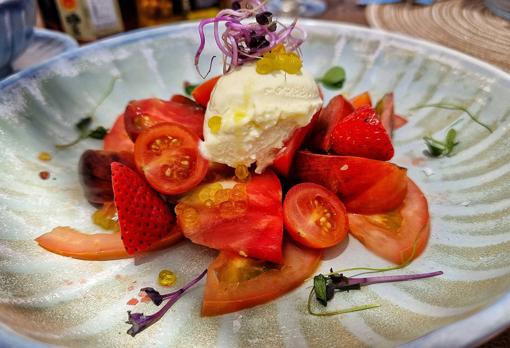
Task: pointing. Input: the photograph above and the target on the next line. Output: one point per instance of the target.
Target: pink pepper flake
(132, 302)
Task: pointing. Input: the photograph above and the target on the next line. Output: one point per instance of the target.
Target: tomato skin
(303, 226)
(361, 100)
(202, 93)
(385, 109)
(223, 297)
(336, 110)
(250, 224)
(283, 161)
(183, 161)
(145, 113)
(179, 98)
(69, 242)
(405, 234)
(398, 121)
(117, 138)
(365, 186)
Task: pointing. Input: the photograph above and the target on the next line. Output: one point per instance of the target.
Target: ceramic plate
(55, 300)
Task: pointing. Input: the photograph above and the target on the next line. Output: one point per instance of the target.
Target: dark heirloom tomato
(314, 216)
(167, 155)
(202, 93)
(283, 161)
(336, 110)
(235, 282)
(143, 114)
(94, 169)
(365, 186)
(117, 138)
(245, 218)
(399, 235)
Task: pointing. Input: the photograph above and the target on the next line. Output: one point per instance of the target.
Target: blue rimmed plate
(59, 301)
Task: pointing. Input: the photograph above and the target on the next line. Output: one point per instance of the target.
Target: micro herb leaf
(319, 284)
(99, 133)
(438, 148)
(83, 124)
(189, 88)
(450, 106)
(334, 78)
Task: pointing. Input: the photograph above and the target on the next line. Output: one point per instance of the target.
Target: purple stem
(390, 279)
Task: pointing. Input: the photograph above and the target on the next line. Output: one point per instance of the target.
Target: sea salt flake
(428, 171)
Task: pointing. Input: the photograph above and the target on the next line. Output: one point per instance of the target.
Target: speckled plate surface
(53, 300)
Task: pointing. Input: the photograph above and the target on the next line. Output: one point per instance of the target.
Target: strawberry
(361, 134)
(144, 218)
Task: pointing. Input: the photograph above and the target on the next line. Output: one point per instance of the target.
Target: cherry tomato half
(167, 154)
(314, 216)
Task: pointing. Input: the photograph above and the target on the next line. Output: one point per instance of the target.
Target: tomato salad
(154, 187)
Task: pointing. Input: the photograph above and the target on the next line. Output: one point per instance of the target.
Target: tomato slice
(167, 155)
(398, 121)
(400, 235)
(283, 161)
(365, 186)
(235, 282)
(334, 112)
(314, 216)
(245, 218)
(202, 93)
(117, 138)
(385, 111)
(69, 242)
(179, 98)
(143, 114)
(361, 100)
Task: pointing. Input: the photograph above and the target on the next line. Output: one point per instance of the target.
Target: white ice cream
(257, 114)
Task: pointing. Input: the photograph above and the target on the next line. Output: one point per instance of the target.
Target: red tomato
(179, 98)
(202, 93)
(314, 216)
(398, 121)
(167, 155)
(143, 114)
(117, 138)
(246, 219)
(361, 100)
(283, 161)
(365, 186)
(98, 247)
(385, 111)
(334, 112)
(399, 235)
(235, 283)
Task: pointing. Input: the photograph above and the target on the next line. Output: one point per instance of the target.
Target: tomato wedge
(399, 121)
(314, 216)
(167, 155)
(202, 93)
(283, 161)
(400, 235)
(69, 242)
(179, 98)
(117, 138)
(361, 100)
(365, 186)
(244, 218)
(235, 283)
(385, 111)
(143, 114)
(334, 112)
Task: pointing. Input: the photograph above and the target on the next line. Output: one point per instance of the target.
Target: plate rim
(495, 317)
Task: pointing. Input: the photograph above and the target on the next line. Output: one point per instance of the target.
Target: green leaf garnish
(189, 88)
(83, 125)
(334, 78)
(319, 284)
(438, 148)
(450, 106)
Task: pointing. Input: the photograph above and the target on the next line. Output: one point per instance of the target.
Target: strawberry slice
(144, 218)
(361, 134)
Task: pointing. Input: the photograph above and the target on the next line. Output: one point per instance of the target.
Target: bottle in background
(200, 9)
(156, 12)
(50, 16)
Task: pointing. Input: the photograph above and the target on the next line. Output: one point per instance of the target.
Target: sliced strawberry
(143, 216)
(362, 134)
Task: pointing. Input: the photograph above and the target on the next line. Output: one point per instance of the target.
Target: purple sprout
(140, 321)
(242, 40)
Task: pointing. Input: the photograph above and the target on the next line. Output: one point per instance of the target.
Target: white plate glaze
(56, 300)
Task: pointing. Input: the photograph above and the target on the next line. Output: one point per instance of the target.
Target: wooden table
(347, 11)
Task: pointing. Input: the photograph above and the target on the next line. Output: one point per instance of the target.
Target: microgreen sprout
(140, 321)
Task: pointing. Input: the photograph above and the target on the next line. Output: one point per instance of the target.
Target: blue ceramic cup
(17, 19)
